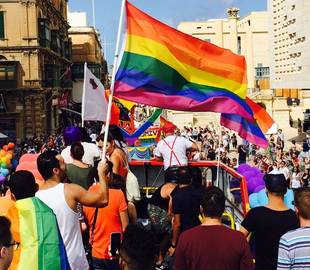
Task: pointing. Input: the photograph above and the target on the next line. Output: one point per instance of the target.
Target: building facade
(34, 56)
(86, 47)
(290, 42)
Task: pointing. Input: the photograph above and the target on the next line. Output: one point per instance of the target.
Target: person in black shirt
(242, 154)
(268, 223)
(185, 206)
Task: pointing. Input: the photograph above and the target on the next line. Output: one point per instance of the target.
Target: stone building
(34, 62)
(86, 47)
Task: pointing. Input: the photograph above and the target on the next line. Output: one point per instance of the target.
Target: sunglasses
(15, 245)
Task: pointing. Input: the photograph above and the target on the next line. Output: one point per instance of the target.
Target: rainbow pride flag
(34, 226)
(250, 131)
(166, 68)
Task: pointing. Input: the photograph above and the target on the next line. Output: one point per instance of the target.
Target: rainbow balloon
(34, 226)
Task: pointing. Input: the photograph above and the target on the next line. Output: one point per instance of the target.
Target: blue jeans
(105, 264)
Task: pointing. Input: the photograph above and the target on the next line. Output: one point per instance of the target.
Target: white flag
(94, 103)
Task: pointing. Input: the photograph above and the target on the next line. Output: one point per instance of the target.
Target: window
(7, 73)
(44, 33)
(2, 25)
(239, 45)
(262, 72)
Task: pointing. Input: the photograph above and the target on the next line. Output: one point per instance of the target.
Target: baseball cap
(276, 182)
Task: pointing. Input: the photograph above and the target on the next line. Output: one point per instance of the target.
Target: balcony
(8, 74)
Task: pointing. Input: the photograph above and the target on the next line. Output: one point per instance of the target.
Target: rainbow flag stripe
(34, 225)
(166, 68)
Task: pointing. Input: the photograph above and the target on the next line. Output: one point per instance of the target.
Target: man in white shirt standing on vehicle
(172, 150)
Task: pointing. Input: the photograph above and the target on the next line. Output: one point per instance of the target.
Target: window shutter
(1, 24)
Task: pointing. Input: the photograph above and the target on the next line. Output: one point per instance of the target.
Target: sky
(171, 12)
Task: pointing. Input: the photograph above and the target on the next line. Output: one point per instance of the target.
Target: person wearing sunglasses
(7, 243)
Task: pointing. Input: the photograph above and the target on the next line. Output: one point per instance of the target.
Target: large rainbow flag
(166, 68)
(34, 226)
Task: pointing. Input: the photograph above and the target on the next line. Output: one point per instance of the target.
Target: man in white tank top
(63, 199)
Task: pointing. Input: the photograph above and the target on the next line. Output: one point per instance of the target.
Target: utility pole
(94, 17)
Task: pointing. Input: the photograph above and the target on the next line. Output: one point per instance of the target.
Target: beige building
(290, 43)
(86, 47)
(247, 36)
(34, 52)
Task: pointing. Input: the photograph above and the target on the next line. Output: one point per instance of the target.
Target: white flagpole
(107, 123)
(219, 155)
(83, 96)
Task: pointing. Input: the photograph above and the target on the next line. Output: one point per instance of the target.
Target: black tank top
(158, 200)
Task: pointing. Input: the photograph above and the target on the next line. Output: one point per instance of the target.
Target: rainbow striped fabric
(250, 131)
(166, 68)
(34, 226)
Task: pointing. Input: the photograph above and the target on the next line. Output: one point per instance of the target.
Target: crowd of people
(105, 223)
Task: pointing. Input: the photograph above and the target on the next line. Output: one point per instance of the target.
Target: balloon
(5, 172)
(3, 160)
(2, 153)
(253, 200)
(248, 175)
(14, 163)
(28, 166)
(2, 178)
(289, 198)
(243, 168)
(11, 145)
(5, 148)
(259, 188)
(28, 158)
(4, 165)
(9, 156)
(256, 170)
(262, 197)
(253, 183)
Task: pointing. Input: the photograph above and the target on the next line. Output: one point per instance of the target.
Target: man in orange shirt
(110, 219)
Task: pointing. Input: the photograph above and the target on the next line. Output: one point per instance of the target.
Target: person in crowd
(304, 155)
(138, 249)
(63, 199)
(160, 214)
(23, 186)
(305, 178)
(116, 155)
(172, 149)
(185, 206)
(110, 219)
(7, 244)
(268, 223)
(294, 246)
(79, 172)
(242, 154)
(295, 178)
(234, 141)
(76, 134)
(213, 245)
